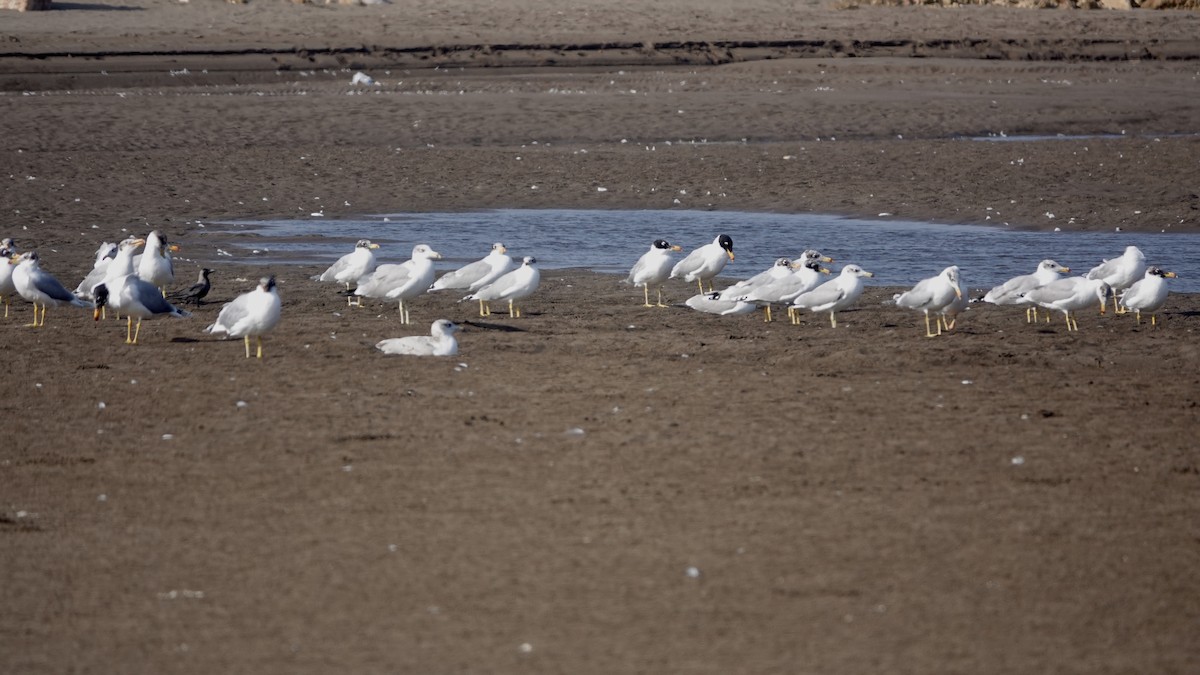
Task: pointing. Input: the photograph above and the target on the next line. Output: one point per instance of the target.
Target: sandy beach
(597, 486)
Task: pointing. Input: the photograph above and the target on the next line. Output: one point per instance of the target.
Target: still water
(899, 252)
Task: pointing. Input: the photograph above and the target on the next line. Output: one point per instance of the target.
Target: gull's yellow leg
(1154, 319)
(129, 330)
(928, 332)
(137, 331)
(660, 302)
(700, 284)
(768, 314)
(34, 324)
(259, 339)
(246, 339)
(1138, 315)
(646, 292)
(833, 319)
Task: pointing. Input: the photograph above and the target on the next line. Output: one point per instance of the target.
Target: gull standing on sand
(836, 294)
(476, 275)
(1010, 292)
(1070, 295)
(155, 265)
(197, 291)
(949, 314)
(516, 285)
(705, 263)
(254, 313)
(400, 282)
(40, 287)
(439, 342)
(804, 276)
(8, 253)
(1148, 294)
(1120, 273)
(932, 295)
(104, 258)
(130, 295)
(359, 262)
(653, 268)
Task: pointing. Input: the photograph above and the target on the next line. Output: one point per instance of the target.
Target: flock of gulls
(135, 285)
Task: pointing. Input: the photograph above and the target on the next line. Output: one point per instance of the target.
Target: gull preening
(836, 294)
(1120, 273)
(705, 263)
(347, 270)
(439, 342)
(476, 275)
(1069, 296)
(250, 314)
(652, 269)
(40, 287)
(401, 282)
(1148, 294)
(516, 285)
(1010, 292)
(934, 294)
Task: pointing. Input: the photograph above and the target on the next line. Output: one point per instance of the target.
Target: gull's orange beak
(825, 270)
(677, 249)
(1170, 275)
(826, 259)
(730, 254)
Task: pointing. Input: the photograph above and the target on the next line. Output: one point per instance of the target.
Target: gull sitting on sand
(516, 285)
(705, 263)
(476, 275)
(1010, 292)
(439, 342)
(932, 295)
(401, 282)
(250, 314)
(39, 287)
(1148, 295)
(359, 262)
(713, 303)
(653, 268)
(836, 294)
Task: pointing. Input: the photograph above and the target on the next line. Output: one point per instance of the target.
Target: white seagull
(949, 313)
(8, 252)
(517, 284)
(359, 262)
(439, 342)
(1070, 295)
(653, 268)
(476, 275)
(1148, 295)
(401, 282)
(836, 294)
(804, 276)
(1120, 273)
(155, 265)
(781, 268)
(713, 303)
(705, 263)
(40, 287)
(104, 257)
(932, 295)
(132, 296)
(1010, 292)
(254, 313)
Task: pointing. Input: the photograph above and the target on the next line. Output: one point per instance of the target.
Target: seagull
(804, 277)
(517, 284)
(782, 267)
(949, 314)
(1120, 273)
(653, 268)
(39, 287)
(478, 274)
(8, 252)
(129, 294)
(253, 313)
(1070, 295)
(1010, 292)
(836, 294)
(400, 282)
(197, 291)
(439, 342)
(104, 256)
(1148, 295)
(348, 268)
(713, 303)
(932, 295)
(705, 263)
(155, 265)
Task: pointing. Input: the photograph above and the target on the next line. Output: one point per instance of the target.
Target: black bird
(196, 292)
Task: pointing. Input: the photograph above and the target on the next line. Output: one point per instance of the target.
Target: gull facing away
(104, 257)
(155, 265)
(932, 295)
(836, 294)
(1070, 295)
(516, 285)
(713, 303)
(476, 275)
(400, 282)
(130, 295)
(39, 287)
(1148, 294)
(653, 268)
(250, 314)
(705, 263)
(439, 342)
(197, 291)
(359, 262)
(8, 253)
(1010, 292)
(1120, 273)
